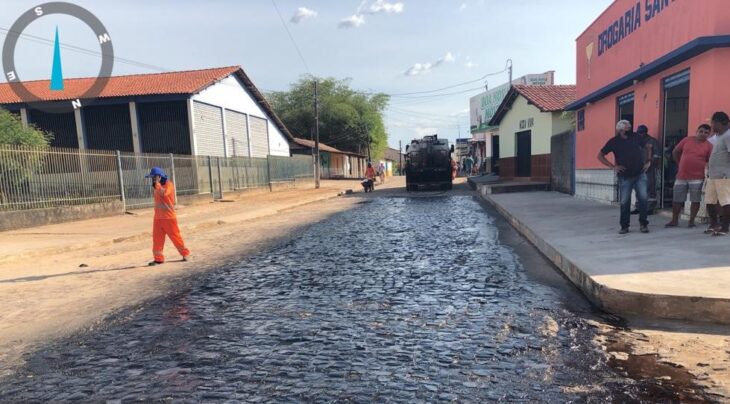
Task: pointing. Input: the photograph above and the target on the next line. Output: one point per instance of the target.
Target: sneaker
(623, 230)
(644, 229)
(154, 263)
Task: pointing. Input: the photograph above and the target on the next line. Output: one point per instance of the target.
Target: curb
(147, 234)
(618, 301)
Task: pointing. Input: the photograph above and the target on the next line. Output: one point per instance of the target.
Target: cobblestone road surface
(401, 300)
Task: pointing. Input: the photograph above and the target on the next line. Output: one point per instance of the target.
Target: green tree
(348, 120)
(16, 166)
(12, 132)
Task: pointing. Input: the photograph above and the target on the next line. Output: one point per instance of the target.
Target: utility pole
(400, 158)
(509, 61)
(367, 134)
(316, 136)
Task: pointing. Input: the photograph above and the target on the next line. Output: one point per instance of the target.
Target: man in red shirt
(165, 221)
(692, 155)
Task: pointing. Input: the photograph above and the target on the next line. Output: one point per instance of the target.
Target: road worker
(165, 221)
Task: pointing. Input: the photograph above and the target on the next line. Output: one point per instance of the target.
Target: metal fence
(52, 177)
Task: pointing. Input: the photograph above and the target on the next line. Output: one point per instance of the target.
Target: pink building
(661, 63)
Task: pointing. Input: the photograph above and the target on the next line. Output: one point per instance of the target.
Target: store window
(581, 120)
(625, 108)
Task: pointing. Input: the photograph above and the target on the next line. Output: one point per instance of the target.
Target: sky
(397, 47)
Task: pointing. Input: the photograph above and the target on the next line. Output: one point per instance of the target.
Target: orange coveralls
(165, 222)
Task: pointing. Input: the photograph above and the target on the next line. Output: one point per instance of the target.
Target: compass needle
(57, 72)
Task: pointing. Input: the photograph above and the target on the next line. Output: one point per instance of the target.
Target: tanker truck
(428, 164)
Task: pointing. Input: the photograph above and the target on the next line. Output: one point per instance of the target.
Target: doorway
(676, 125)
(495, 154)
(625, 108)
(524, 153)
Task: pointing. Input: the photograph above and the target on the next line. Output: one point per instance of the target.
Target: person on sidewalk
(468, 164)
(717, 193)
(381, 173)
(692, 155)
(656, 160)
(165, 220)
(632, 157)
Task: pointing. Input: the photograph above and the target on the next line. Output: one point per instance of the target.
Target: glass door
(676, 124)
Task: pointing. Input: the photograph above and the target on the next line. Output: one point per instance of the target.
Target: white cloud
(352, 21)
(462, 7)
(424, 131)
(381, 6)
(464, 111)
(302, 14)
(469, 64)
(424, 68)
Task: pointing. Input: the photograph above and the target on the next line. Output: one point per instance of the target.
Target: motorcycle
(368, 185)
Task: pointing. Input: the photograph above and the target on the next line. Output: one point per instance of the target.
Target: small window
(581, 120)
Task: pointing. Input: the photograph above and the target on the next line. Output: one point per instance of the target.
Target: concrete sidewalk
(71, 236)
(676, 273)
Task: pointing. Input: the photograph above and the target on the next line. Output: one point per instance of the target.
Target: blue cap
(156, 171)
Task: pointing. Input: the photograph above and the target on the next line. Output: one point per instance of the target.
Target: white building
(213, 112)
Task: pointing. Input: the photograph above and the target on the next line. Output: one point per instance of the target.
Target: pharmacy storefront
(485, 138)
(660, 63)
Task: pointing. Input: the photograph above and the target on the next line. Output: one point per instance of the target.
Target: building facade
(528, 118)
(485, 147)
(213, 112)
(334, 163)
(659, 63)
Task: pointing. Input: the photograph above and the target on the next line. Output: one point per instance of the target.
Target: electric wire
(299, 52)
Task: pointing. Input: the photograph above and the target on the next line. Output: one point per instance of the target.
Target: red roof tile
(548, 98)
(184, 82)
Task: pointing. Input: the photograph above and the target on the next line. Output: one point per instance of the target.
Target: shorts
(717, 191)
(684, 187)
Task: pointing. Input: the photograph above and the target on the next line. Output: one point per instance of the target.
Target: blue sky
(393, 46)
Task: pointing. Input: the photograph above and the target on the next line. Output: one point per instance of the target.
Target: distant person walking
(717, 193)
(468, 164)
(381, 173)
(165, 219)
(692, 155)
(632, 157)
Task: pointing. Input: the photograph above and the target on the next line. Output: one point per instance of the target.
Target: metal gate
(259, 137)
(562, 162)
(237, 134)
(208, 121)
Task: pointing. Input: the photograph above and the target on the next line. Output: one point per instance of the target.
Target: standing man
(165, 221)
(692, 155)
(632, 157)
(656, 158)
(717, 193)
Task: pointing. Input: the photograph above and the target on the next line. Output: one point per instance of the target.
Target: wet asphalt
(398, 300)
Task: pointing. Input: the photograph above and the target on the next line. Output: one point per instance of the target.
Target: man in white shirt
(717, 194)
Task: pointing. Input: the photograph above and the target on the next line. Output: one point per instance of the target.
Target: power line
(304, 62)
(78, 49)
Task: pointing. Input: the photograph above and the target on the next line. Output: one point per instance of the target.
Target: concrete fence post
(210, 176)
(268, 169)
(172, 173)
(220, 180)
(120, 176)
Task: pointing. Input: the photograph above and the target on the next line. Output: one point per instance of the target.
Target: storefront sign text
(630, 22)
